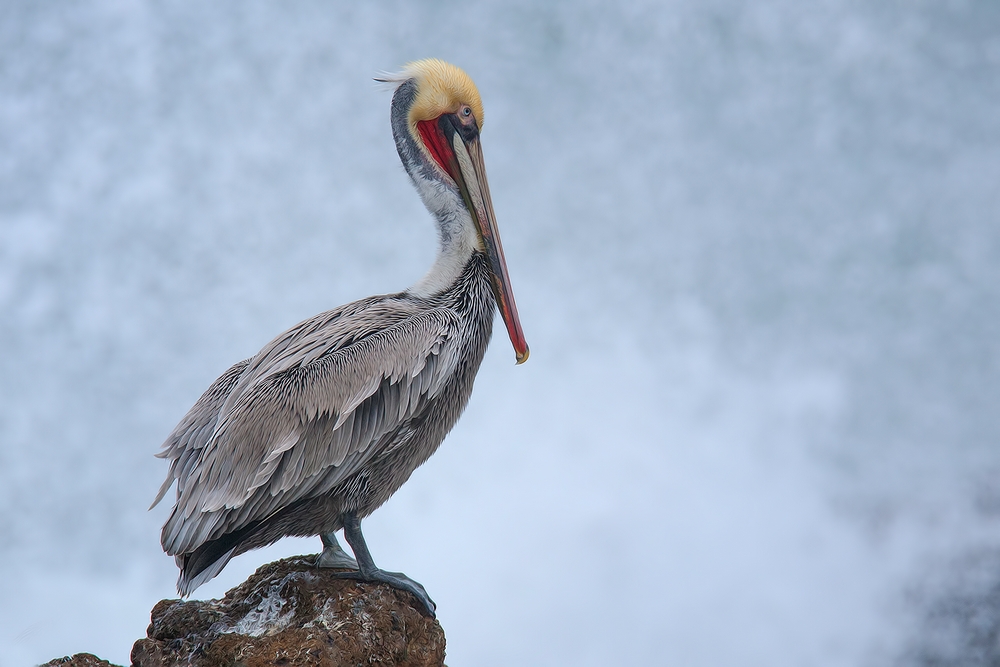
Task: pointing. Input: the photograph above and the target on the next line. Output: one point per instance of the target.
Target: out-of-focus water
(755, 248)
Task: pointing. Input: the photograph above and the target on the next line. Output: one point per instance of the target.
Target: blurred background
(756, 252)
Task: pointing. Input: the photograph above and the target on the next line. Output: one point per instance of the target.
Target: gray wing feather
(296, 422)
(195, 429)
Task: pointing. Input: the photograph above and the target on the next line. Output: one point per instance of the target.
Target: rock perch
(292, 613)
(289, 613)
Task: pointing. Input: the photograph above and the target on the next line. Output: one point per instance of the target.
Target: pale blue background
(756, 252)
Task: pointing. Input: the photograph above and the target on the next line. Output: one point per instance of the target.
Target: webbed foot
(366, 569)
(396, 580)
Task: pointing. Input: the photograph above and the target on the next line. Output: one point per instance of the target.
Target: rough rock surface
(290, 613)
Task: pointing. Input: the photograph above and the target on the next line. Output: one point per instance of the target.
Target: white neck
(457, 236)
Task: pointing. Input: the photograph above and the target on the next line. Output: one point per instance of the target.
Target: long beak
(476, 193)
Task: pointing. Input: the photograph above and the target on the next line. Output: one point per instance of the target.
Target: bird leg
(333, 555)
(367, 571)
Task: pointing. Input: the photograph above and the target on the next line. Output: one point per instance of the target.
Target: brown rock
(291, 613)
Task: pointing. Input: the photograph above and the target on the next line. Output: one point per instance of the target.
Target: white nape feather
(457, 237)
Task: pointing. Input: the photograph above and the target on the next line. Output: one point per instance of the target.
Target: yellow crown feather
(441, 88)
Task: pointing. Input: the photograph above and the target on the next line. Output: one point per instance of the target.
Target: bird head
(443, 118)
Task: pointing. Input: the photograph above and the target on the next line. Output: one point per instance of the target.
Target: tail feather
(198, 567)
(208, 559)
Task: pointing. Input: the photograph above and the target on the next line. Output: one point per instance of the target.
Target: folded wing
(303, 415)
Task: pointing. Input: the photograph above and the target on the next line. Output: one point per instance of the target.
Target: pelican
(318, 429)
